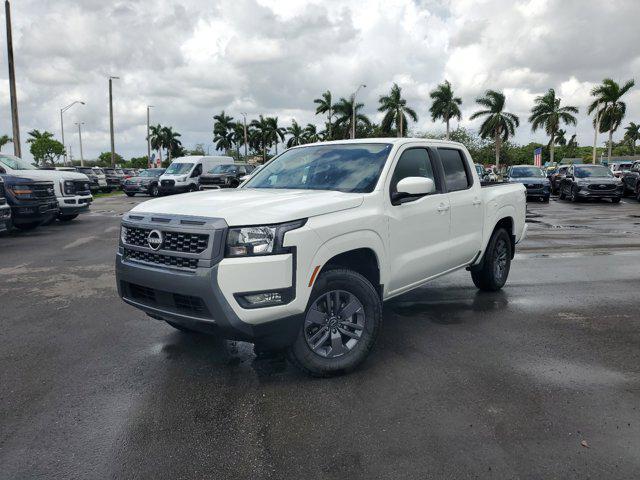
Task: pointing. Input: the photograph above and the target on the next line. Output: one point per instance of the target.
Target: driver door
(418, 227)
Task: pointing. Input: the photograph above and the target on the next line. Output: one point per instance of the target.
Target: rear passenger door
(465, 239)
(418, 227)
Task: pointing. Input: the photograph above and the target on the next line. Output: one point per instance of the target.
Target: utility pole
(113, 147)
(62, 110)
(245, 134)
(148, 138)
(353, 113)
(595, 134)
(12, 84)
(79, 124)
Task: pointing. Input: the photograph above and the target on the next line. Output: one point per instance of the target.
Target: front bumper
(33, 212)
(73, 205)
(169, 189)
(136, 188)
(587, 193)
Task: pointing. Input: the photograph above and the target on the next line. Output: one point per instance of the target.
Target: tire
(616, 200)
(545, 199)
(488, 276)
(574, 194)
(193, 188)
(234, 184)
(351, 291)
(182, 328)
(129, 194)
(67, 218)
(154, 192)
(27, 226)
(562, 195)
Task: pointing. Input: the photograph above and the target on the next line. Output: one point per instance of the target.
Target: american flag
(537, 157)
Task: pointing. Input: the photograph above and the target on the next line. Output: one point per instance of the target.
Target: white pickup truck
(303, 254)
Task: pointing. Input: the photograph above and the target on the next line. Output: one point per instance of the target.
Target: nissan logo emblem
(154, 239)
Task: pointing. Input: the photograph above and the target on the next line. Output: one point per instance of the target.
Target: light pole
(353, 113)
(12, 83)
(595, 133)
(79, 124)
(148, 139)
(246, 143)
(62, 110)
(113, 147)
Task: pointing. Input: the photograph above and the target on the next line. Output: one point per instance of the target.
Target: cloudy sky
(193, 58)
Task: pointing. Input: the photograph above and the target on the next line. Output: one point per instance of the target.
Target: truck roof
(391, 140)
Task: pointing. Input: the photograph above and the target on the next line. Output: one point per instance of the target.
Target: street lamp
(148, 138)
(353, 117)
(79, 124)
(113, 147)
(244, 115)
(62, 110)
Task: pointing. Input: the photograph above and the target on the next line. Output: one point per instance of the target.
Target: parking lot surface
(540, 380)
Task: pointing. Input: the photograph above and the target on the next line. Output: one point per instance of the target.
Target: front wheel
(341, 324)
(574, 194)
(562, 196)
(492, 273)
(154, 191)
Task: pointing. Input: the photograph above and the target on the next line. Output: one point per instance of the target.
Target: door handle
(442, 208)
(476, 202)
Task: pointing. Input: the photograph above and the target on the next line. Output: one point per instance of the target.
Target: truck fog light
(270, 298)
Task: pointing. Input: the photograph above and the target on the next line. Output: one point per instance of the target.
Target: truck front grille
(174, 302)
(82, 187)
(167, 183)
(159, 259)
(43, 190)
(182, 242)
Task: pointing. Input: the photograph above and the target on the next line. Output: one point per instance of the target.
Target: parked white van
(183, 173)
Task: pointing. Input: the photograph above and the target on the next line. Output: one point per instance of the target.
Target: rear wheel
(154, 191)
(67, 218)
(492, 273)
(342, 321)
(130, 194)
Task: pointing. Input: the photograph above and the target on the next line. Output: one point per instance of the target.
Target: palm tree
(559, 139)
(445, 106)
(156, 138)
(170, 141)
(573, 141)
(344, 111)
(237, 136)
(632, 135)
(394, 108)
(275, 133)
(311, 134)
(612, 109)
(4, 139)
(37, 134)
(297, 135)
(260, 136)
(548, 113)
(498, 124)
(222, 131)
(325, 105)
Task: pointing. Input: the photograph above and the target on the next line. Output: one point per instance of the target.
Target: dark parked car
(631, 180)
(115, 177)
(590, 181)
(32, 202)
(93, 178)
(225, 175)
(533, 178)
(5, 210)
(145, 182)
(555, 178)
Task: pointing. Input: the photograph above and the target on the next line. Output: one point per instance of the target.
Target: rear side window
(414, 162)
(455, 172)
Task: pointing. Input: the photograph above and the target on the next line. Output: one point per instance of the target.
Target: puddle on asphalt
(569, 374)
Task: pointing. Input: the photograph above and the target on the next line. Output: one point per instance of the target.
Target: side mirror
(413, 187)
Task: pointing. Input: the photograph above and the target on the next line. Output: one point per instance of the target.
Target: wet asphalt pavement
(541, 380)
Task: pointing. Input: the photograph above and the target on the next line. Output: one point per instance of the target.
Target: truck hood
(249, 206)
(53, 175)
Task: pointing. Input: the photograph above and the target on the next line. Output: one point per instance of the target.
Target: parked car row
(35, 196)
(583, 181)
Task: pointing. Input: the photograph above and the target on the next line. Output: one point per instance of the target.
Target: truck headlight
(259, 240)
(68, 187)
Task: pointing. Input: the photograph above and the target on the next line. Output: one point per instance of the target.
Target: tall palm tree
(276, 133)
(156, 138)
(170, 141)
(311, 134)
(632, 135)
(559, 139)
(4, 139)
(325, 105)
(297, 135)
(498, 124)
(344, 110)
(237, 136)
(222, 131)
(445, 105)
(37, 134)
(395, 110)
(548, 113)
(260, 136)
(573, 141)
(612, 109)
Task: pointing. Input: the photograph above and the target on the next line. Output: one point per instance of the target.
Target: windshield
(15, 163)
(154, 172)
(178, 168)
(623, 167)
(592, 171)
(224, 169)
(522, 172)
(345, 168)
(480, 170)
(98, 171)
(87, 171)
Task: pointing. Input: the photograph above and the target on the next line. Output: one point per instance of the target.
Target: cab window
(456, 172)
(414, 162)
